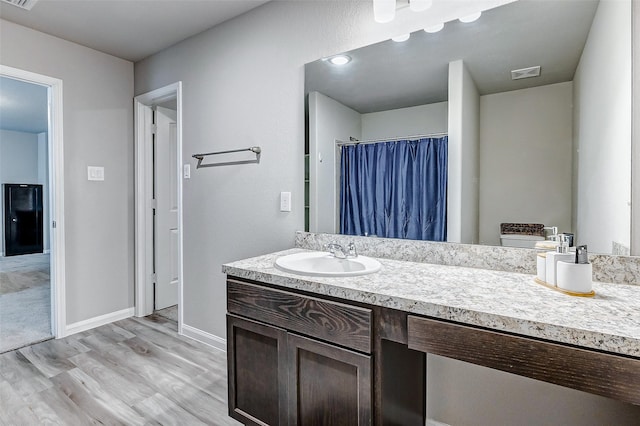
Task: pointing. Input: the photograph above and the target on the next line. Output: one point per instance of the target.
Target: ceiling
(128, 29)
(390, 75)
(23, 106)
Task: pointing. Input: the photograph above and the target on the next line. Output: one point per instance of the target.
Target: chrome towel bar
(200, 157)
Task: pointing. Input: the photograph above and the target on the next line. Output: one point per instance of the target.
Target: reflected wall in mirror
(553, 149)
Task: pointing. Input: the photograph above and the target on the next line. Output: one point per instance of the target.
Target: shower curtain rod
(397, 138)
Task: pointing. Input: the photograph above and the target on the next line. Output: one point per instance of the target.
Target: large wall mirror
(553, 149)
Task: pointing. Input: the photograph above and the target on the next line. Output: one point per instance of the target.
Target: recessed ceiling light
(434, 28)
(470, 18)
(401, 38)
(340, 59)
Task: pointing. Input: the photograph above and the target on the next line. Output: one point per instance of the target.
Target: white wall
(525, 135)
(18, 157)
(328, 120)
(23, 159)
(463, 158)
(602, 99)
(244, 85)
(418, 120)
(98, 131)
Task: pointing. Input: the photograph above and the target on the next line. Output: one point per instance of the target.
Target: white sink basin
(323, 264)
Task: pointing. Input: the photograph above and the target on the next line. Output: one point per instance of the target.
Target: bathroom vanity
(352, 350)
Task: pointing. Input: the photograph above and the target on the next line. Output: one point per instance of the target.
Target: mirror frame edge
(635, 129)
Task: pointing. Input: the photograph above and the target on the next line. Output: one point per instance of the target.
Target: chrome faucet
(340, 252)
(553, 234)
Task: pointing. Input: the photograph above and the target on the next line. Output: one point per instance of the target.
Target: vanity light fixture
(470, 18)
(384, 10)
(340, 60)
(401, 38)
(434, 28)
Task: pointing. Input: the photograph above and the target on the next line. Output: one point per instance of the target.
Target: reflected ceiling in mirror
(391, 75)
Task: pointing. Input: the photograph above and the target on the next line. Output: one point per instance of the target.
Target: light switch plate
(95, 173)
(186, 171)
(285, 201)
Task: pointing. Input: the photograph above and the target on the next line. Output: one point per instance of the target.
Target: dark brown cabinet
(328, 385)
(298, 359)
(278, 376)
(257, 363)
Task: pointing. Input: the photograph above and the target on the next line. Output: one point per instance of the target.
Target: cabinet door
(257, 368)
(328, 385)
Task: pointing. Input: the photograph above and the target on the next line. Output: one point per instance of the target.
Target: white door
(166, 214)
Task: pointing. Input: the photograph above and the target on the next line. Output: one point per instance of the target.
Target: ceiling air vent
(23, 4)
(525, 73)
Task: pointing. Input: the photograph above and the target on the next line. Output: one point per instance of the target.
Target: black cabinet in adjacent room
(23, 223)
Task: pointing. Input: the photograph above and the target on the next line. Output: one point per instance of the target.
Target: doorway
(159, 271)
(32, 226)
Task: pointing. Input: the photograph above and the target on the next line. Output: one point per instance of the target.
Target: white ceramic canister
(541, 267)
(575, 277)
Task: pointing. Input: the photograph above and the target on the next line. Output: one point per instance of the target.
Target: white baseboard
(94, 322)
(431, 422)
(204, 337)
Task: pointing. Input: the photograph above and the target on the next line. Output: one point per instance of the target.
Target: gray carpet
(25, 301)
(170, 313)
(25, 317)
(19, 273)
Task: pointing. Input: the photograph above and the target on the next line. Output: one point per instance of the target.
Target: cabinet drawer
(345, 325)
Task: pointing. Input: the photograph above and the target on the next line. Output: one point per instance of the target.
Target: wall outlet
(95, 173)
(285, 201)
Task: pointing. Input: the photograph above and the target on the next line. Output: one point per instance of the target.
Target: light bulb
(470, 18)
(434, 28)
(401, 38)
(384, 10)
(420, 5)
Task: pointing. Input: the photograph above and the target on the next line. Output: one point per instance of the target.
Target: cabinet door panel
(256, 359)
(327, 385)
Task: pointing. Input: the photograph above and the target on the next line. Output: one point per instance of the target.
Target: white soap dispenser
(553, 257)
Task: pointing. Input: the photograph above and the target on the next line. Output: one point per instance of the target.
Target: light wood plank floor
(135, 371)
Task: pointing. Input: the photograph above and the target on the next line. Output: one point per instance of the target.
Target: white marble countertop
(506, 301)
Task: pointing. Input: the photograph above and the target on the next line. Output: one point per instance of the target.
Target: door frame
(144, 202)
(55, 146)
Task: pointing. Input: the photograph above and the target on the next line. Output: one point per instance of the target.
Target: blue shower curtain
(395, 189)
